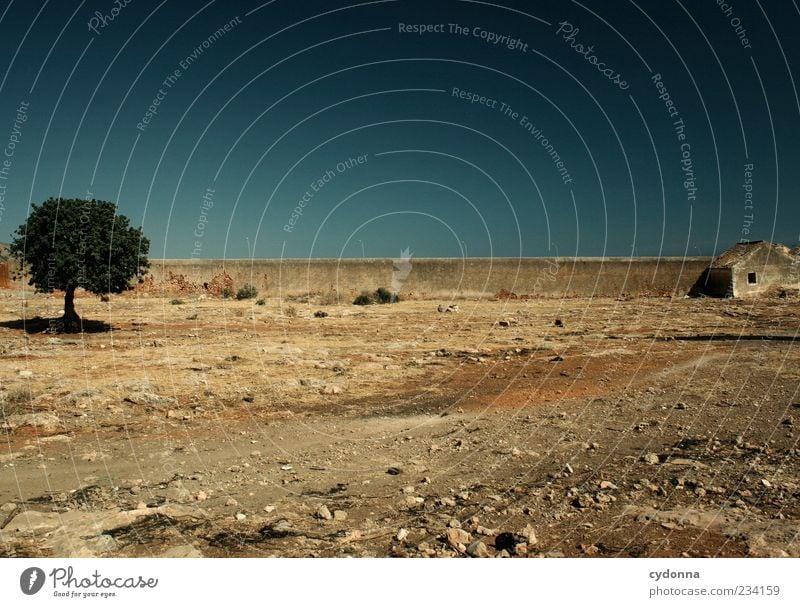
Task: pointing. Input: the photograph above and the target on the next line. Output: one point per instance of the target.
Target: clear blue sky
(378, 133)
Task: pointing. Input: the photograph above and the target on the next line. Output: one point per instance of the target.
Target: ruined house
(750, 268)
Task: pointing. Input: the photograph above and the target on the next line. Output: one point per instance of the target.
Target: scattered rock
(651, 459)
(182, 552)
(402, 534)
(478, 549)
(456, 537)
(339, 515)
(231, 502)
(45, 421)
(320, 314)
(393, 470)
(529, 535)
(323, 513)
(450, 308)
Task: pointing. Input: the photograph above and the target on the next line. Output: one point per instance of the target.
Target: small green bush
(384, 296)
(261, 302)
(381, 296)
(176, 302)
(227, 293)
(365, 299)
(248, 291)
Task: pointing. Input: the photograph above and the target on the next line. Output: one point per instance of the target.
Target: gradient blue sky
(295, 88)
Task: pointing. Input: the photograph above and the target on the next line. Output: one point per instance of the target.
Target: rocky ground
(210, 427)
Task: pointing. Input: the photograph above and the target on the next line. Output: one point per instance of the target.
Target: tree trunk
(71, 321)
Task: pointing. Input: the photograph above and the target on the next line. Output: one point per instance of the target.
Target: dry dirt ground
(643, 427)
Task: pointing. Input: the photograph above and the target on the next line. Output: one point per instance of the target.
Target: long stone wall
(443, 278)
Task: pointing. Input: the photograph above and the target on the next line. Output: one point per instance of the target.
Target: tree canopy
(67, 244)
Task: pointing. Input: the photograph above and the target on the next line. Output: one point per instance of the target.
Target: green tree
(68, 244)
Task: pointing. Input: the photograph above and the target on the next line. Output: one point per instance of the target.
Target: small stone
(766, 483)
(339, 515)
(412, 501)
(182, 552)
(402, 534)
(478, 549)
(394, 471)
(323, 513)
(529, 535)
(409, 490)
(201, 496)
(255, 454)
(269, 509)
(607, 485)
(681, 406)
(25, 373)
(458, 536)
(521, 549)
(651, 459)
(231, 502)
(240, 516)
(454, 523)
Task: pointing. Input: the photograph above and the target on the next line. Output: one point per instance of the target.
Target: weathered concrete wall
(714, 282)
(770, 271)
(445, 278)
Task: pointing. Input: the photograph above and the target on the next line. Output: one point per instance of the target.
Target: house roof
(741, 251)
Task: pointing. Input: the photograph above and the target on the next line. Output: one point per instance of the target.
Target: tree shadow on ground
(37, 324)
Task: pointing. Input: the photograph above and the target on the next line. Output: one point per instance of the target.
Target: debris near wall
(219, 284)
(506, 295)
(174, 284)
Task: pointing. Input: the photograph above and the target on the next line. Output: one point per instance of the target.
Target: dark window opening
(751, 278)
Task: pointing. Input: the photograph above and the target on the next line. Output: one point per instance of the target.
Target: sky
(454, 128)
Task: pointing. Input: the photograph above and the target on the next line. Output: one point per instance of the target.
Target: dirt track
(650, 427)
